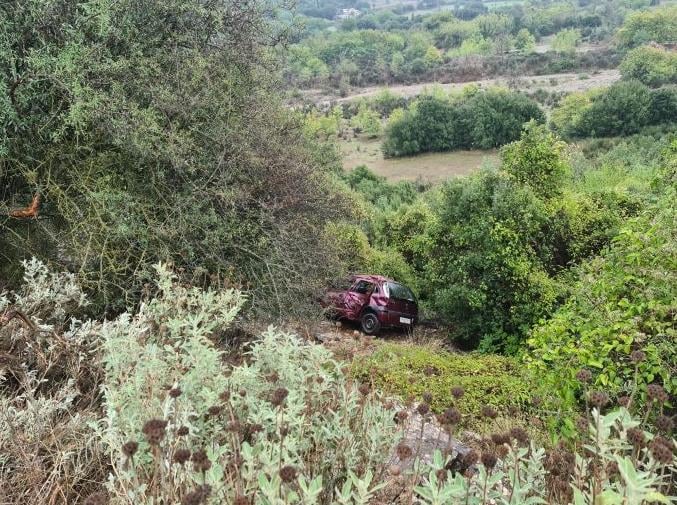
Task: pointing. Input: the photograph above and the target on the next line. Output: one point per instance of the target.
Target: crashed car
(374, 301)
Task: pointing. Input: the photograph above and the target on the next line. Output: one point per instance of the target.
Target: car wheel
(370, 323)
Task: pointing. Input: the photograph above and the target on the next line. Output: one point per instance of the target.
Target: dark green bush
(483, 119)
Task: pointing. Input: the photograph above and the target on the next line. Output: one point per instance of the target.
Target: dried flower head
(500, 438)
(401, 416)
(288, 474)
(154, 430)
(182, 431)
(234, 426)
(470, 458)
(502, 451)
(279, 396)
(423, 408)
(200, 461)
(451, 416)
(599, 399)
(636, 437)
(97, 499)
(242, 500)
(661, 453)
(242, 392)
(181, 455)
(612, 469)
(195, 497)
(582, 425)
(273, 377)
(427, 397)
(490, 412)
(175, 392)
(623, 401)
(224, 396)
(637, 356)
(404, 452)
(664, 423)
(457, 392)
(520, 435)
(657, 393)
(489, 459)
(394, 470)
(441, 475)
(214, 410)
(130, 448)
(584, 375)
(364, 389)
(536, 401)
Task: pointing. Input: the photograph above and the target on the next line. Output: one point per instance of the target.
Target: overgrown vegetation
(151, 132)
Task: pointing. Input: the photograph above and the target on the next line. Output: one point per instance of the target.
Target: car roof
(370, 278)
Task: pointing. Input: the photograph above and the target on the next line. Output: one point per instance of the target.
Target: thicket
(476, 119)
(651, 65)
(151, 131)
(624, 108)
(175, 422)
(492, 253)
(622, 301)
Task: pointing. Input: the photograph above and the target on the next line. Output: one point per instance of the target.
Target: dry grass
(429, 167)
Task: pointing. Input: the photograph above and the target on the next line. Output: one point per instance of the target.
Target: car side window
(363, 287)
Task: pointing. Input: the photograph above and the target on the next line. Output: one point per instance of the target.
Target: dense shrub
(623, 301)
(655, 25)
(480, 119)
(651, 65)
(409, 370)
(151, 139)
(622, 109)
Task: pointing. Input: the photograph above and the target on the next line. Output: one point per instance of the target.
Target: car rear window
(400, 292)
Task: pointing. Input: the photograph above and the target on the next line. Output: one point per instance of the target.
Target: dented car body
(375, 302)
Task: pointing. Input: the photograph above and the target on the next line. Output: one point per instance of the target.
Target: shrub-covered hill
(144, 409)
(622, 301)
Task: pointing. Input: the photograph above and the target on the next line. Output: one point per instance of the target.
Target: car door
(357, 297)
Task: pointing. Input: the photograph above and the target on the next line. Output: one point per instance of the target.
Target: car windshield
(400, 292)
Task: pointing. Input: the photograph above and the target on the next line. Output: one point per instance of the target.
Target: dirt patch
(429, 167)
(566, 82)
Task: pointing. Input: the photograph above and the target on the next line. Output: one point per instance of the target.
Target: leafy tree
(367, 121)
(651, 65)
(525, 41)
(623, 108)
(567, 118)
(655, 25)
(537, 160)
(152, 133)
(567, 40)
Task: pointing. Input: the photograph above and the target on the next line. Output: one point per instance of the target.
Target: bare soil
(428, 167)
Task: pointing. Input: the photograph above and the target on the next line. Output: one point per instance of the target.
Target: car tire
(370, 323)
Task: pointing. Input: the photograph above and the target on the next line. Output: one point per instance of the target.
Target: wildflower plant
(285, 426)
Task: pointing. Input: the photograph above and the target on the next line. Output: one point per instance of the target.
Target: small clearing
(566, 82)
(428, 167)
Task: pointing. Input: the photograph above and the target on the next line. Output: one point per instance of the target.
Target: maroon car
(375, 301)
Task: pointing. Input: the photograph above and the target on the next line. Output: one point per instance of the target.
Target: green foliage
(651, 65)
(655, 25)
(409, 370)
(321, 409)
(157, 140)
(525, 41)
(622, 109)
(482, 120)
(367, 121)
(622, 301)
(566, 40)
(611, 470)
(537, 160)
(352, 247)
